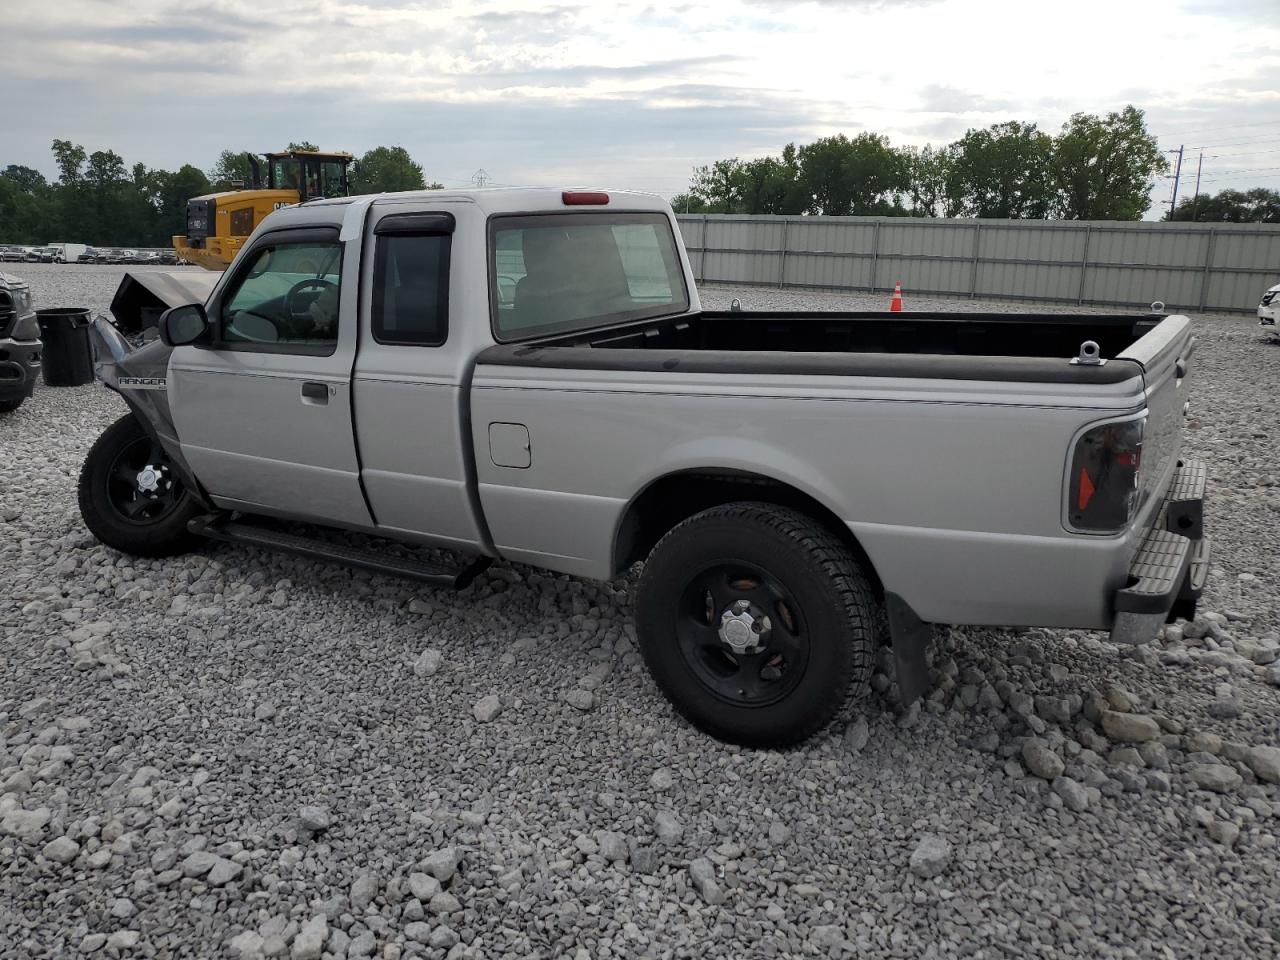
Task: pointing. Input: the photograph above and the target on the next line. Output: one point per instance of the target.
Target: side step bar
(218, 527)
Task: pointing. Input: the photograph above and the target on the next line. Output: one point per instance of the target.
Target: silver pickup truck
(529, 375)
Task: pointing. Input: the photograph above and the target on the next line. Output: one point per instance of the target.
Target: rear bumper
(1168, 573)
(19, 367)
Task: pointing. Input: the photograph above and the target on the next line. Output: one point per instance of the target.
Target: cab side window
(411, 289)
(286, 299)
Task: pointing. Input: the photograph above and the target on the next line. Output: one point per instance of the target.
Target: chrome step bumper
(1168, 573)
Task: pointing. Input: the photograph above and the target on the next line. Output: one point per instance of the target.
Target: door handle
(314, 392)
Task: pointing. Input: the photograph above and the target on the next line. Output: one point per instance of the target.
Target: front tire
(11, 404)
(756, 623)
(130, 496)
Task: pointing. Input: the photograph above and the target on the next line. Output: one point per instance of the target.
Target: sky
(629, 94)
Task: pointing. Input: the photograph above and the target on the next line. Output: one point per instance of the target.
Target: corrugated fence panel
(830, 235)
(1059, 243)
(1233, 248)
(1148, 247)
(924, 275)
(1186, 265)
(1177, 289)
(1028, 281)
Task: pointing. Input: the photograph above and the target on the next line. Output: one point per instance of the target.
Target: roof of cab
(492, 200)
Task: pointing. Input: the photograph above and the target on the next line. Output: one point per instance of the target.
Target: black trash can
(68, 355)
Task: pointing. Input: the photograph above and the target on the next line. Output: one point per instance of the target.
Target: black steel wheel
(756, 622)
(141, 484)
(131, 497)
(743, 634)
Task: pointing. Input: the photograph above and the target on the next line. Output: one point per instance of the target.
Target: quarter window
(411, 289)
(287, 297)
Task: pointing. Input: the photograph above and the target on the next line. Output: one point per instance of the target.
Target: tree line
(97, 199)
(1095, 168)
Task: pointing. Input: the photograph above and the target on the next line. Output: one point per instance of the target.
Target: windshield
(552, 274)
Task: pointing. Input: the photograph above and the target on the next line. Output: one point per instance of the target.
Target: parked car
(89, 256)
(31, 255)
(1268, 308)
(791, 480)
(19, 343)
(11, 255)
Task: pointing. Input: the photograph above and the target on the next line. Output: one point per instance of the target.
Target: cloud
(943, 98)
(1236, 11)
(628, 92)
(592, 71)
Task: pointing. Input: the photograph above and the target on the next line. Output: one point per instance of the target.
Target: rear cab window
(556, 273)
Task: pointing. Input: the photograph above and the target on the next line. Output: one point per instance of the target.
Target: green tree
(105, 200)
(70, 159)
(1104, 167)
(234, 170)
(687, 202)
(25, 206)
(770, 185)
(1258, 205)
(927, 190)
(1001, 172)
(169, 193)
(386, 170)
(719, 186)
(304, 145)
(864, 176)
(27, 179)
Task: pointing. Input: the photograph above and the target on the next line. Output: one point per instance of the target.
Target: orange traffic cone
(895, 305)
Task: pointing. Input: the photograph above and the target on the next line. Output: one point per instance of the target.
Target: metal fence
(1189, 266)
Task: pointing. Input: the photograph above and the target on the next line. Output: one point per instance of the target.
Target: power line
(1236, 175)
(1254, 141)
(1213, 130)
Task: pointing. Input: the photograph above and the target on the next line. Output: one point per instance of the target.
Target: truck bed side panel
(954, 487)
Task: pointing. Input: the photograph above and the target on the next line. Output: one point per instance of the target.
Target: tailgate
(1165, 354)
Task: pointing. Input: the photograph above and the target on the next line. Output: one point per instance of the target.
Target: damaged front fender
(140, 377)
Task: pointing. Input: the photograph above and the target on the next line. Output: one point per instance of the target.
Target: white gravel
(190, 770)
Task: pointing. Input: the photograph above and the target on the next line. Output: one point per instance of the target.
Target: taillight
(1104, 492)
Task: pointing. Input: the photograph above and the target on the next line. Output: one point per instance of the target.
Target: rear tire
(12, 404)
(756, 623)
(149, 522)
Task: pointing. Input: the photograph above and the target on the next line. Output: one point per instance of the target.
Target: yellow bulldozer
(218, 224)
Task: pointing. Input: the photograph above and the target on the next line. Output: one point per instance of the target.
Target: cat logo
(141, 383)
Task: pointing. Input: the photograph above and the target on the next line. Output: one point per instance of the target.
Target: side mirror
(184, 325)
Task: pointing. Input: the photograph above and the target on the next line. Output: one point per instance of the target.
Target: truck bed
(995, 346)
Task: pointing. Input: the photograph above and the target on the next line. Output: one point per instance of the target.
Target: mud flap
(910, 637)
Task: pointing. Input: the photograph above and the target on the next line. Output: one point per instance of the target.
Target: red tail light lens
(1104, 490)
(584, 198)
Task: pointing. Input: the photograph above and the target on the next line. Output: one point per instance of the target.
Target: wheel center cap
(148, 480)
(743, 629)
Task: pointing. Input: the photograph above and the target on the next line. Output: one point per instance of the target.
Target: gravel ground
(238, 753)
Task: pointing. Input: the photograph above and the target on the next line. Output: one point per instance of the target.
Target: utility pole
(1196, 207)
(1177, 172)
